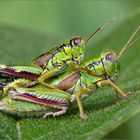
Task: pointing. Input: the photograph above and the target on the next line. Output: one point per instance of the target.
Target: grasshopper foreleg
(72, 65)
(120, 93)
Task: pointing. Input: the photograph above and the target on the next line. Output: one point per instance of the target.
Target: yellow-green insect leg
(78, 98)
(46, 75)
(120, 93)
(78, 67)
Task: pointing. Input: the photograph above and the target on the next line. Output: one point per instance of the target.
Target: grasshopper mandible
(72, 85)
(51, 63)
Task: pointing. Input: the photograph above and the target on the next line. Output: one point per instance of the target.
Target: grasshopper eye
(76, 41)
(110, 57)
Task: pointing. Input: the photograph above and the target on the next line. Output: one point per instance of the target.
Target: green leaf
(105, 112)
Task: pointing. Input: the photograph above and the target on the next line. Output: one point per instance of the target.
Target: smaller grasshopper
(22, 101)
(51, 63)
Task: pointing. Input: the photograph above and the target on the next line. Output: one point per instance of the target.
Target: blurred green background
(63, 19)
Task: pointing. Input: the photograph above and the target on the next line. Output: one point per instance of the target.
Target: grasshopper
(51, 63)
(71, 85)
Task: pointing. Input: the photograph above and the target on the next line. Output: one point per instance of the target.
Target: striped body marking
(72, 50)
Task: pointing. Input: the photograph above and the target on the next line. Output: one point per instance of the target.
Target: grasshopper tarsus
(83, 116)
(124, 95)
(58, 113)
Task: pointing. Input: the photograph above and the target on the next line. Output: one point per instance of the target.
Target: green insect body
(51, 63)
(72, 50)
(73, 85)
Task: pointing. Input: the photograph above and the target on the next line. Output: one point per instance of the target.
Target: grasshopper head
(77, 41)
(78, 44)
(78, 48)
(110, 59)
(110, 64)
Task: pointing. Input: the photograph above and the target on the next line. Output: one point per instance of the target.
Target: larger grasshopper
(72, 85)
(50, 63)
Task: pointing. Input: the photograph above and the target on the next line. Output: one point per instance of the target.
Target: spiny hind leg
(120, 93)
(43, 77)
(62, 110)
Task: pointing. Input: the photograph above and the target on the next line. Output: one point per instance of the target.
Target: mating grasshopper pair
(49, 86)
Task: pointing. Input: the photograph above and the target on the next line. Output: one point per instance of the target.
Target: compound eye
(76, 41)
(111, 57)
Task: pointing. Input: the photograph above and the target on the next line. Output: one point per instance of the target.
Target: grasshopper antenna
(129, 42)
(101, 28)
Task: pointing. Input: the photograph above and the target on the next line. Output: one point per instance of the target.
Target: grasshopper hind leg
(32, 102)
(26, 109)
(62, 110)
